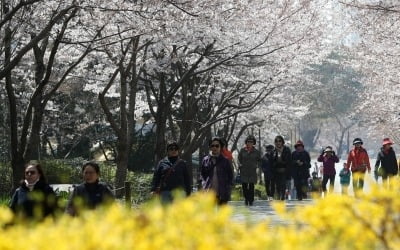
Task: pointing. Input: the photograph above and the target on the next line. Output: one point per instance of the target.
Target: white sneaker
(270, 198)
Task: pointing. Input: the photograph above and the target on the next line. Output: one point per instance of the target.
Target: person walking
(216, 172)
(358, 163)
(282, 159)
(34, 198)
(91, 193)
(328, 159)
(301, 164)
(249, 159)
(266, 166)
(172, 173)
(386, 164)
(345, 176)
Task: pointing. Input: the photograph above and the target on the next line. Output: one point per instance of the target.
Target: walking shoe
(270, 198)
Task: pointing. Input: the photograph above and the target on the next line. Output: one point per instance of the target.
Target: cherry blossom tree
(375, 49)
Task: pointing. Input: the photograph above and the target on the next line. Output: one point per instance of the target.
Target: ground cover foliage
(336, 222)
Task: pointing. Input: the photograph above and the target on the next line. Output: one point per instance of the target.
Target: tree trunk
(122, 168)
(161, 120)
(33, 147)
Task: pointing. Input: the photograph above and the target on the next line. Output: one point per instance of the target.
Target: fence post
(128, 199)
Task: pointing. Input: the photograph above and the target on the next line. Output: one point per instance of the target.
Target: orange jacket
(356, 158)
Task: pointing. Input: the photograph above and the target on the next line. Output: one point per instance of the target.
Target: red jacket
(358, 157)
(228, 155)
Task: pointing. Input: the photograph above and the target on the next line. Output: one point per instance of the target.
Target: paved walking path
(261, 210)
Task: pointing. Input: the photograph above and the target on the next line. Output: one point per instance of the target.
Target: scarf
(30, 186)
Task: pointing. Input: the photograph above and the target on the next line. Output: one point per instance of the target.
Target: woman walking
(386, 162)
(216, 172)
(34, 198)
(358, 163)
(282, 160)
(171, 174)
(301, 169)
(328, 159)
(91, 193)
(249, 160)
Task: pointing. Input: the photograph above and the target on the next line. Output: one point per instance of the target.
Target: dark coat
(224, 174)
(301, 171)
(388, 162)
(90, 194)
(266, 165)
(248, 164)
(281, 165)
(25, 202)
(169, 176)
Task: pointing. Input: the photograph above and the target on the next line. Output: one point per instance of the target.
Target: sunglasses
(214, 146)
(249, 141)
(30, 172)
(172, 149)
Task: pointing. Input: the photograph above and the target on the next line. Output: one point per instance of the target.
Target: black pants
(248, 193)
(269, 186)
(280, 181)
(301, 187)
(325, 179)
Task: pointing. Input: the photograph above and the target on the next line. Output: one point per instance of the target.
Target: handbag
(381, 171)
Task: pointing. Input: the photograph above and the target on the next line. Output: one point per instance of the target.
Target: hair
(279, 137)
(92, 164)
(269, 147)
(39, 169)
(216, 139)
(251, 138)
(172, 144)
(224, 142)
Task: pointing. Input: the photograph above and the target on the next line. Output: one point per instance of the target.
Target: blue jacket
(172, 175)
(224, 174)
(345, 175)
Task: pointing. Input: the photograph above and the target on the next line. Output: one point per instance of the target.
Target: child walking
(344, 175)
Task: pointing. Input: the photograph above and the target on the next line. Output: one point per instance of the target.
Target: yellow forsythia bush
(372, 221)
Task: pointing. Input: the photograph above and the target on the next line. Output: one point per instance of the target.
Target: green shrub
(5, 179)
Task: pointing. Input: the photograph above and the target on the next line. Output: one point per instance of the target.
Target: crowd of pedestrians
(283, 169)
(280, 166)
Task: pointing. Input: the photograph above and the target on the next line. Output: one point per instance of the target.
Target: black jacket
(38, 203)
(90, 194)
(301, 171)
(282, 164)
(388, 162)
(169, 176)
